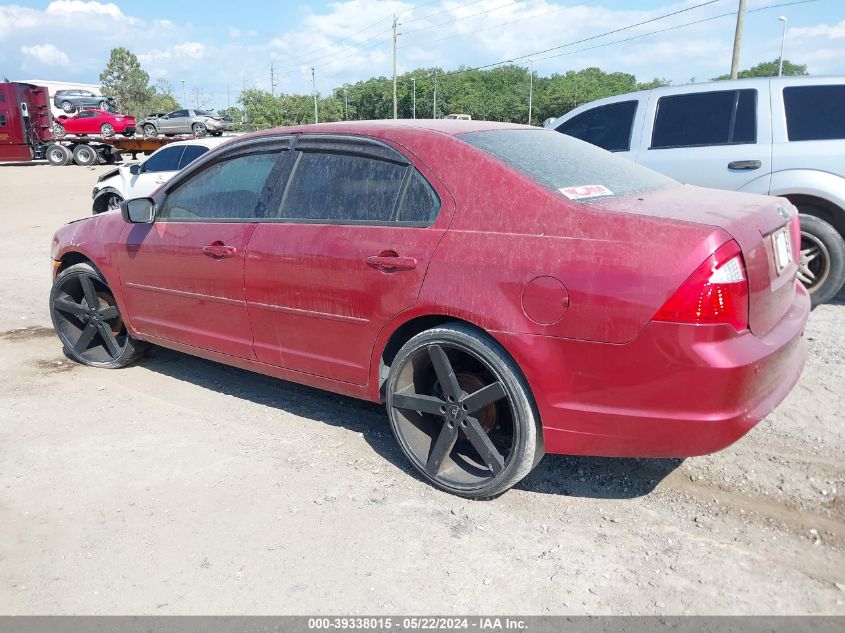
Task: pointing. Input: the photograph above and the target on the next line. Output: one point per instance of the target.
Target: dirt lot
(183, 486)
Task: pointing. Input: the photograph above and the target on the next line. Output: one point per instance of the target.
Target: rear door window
(608, 126)
(558, 161)
(724, 117)
(342, 188)
(815, 113)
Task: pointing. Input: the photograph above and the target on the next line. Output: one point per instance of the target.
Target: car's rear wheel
(59, 130)
(107, 130)
(199, 129)
(84, 155)
(217, 133)
(822, 265)
(67, 106)
(88, 321)
(462, 412)
(150, 131)
(58, 155)
(104, 105)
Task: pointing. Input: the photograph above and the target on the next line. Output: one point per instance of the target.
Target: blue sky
(214, 46)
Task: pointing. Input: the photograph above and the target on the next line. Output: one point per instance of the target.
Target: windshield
(571, 167)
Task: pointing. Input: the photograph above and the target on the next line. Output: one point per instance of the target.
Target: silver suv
(782, 136)
(196, 122)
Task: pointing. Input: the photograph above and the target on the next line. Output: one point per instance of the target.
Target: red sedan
(505, 290)
(94, 122)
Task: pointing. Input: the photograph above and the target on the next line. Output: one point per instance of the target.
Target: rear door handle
(745, 164)
(391, 262)
(219, 250)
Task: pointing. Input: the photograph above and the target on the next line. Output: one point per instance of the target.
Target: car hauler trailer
(26, 133)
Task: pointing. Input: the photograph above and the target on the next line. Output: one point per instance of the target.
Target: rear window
(815, 113)
(558, 161)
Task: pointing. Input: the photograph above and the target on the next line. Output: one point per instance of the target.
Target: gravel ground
(180, 486)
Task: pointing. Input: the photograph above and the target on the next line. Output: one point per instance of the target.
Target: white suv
(782, 136)
(138, 180)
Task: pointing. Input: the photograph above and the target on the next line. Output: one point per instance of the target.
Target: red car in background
(505, 290)
(94, 122)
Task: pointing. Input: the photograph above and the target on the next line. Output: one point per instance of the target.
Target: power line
(466, 17)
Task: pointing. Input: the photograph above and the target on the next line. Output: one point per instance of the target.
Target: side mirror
(138, 210)
(135, 169)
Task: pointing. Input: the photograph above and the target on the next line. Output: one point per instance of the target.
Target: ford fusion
(505, 291)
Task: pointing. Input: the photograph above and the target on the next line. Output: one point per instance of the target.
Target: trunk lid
(757, 223)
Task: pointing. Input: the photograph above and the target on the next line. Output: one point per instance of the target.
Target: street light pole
(434, 104)
(314, 90)
(414, 83)
(782, 38)
(346, 103)
(184, 95)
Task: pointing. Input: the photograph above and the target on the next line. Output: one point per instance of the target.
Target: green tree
(161, 98)
(125, 80)
(769, 69)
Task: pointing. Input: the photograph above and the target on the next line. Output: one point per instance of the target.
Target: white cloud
(193, 50)
(233, 32)
(82, 9)
(46, 54)
(837, 31)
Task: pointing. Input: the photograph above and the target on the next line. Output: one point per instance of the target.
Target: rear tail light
(795, 236)
(717, 292)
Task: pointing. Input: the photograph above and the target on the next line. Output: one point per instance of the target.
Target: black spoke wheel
(462, 412)
(822, 265)
(88, 321)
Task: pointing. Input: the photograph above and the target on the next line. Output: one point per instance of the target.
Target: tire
(199, 130)
(471, 451)
(217, 133)
(106, 202)
(84, 312)
(59, 130)
(58, 155)
(107, 130)
(822, 266)
(150, 131)
(68, 107)
(104, 105)
(85, 156)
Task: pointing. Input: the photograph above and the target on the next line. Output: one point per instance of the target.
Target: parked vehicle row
(505, 290)
(778, 136)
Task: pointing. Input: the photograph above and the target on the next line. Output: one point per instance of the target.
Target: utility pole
(345, 103)
(434, 105)
(414, 82)
(314, 91)
(394, 67)
(530, 89)
(740, 20)
(273, 81)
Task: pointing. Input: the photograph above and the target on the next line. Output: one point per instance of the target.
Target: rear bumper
(676, 391)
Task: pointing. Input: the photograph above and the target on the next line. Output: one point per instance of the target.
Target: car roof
(448, 127)
(204, 142)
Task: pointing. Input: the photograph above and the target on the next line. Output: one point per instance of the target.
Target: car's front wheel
(822, 265)
(88, 321)
(462, 412)
(59, 130)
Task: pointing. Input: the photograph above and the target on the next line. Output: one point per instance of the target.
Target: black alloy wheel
(821, 268)
(88, 321)
(462, 412)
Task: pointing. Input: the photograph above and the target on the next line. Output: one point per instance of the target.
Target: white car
(139, 180)
(781, 136)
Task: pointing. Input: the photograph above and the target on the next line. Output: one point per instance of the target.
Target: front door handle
(219, 250)
(391, 262)
(745, 164)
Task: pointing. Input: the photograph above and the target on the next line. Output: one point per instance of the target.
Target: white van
(782, 136)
